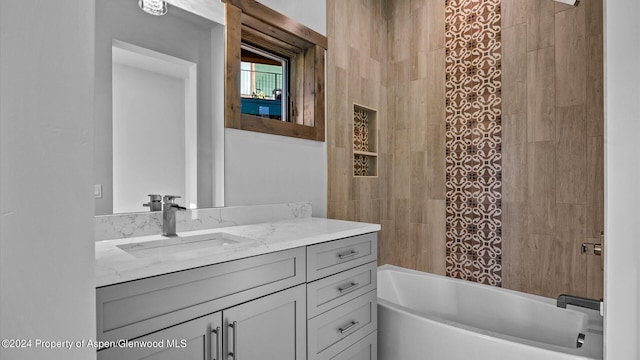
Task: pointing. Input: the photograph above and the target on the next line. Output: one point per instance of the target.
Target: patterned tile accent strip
(474, 140)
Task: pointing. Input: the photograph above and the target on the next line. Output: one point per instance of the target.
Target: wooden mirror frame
(251, 22)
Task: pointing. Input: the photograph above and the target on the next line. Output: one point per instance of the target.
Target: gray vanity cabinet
(137, 308)
(271, 327)
(192, 340)
(316, 302)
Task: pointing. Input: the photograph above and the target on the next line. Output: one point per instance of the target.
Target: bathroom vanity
(293, 289)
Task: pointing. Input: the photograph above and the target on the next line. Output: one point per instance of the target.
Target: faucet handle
(154, 203)
(169, 202)
(169, 199)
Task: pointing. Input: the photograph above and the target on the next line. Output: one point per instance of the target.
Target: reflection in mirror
(159, 126)
(154, 101)
(263, 83)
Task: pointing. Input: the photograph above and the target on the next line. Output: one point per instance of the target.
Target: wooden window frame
(251, 22)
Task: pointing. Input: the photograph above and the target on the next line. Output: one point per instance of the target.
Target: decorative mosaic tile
(361, 165)
(360, 130)
(364, 141)
(460, 266)
(474, 140)
(487, 270)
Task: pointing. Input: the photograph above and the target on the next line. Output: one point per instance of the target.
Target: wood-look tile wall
(553, 173)
(390, 56)
(356, 73)
(416, 202)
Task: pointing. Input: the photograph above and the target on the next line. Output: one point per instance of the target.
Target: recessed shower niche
(365, 141)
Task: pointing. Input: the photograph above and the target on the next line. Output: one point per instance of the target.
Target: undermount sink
(177, 244)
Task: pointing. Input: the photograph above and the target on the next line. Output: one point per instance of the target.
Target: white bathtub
(423, 316)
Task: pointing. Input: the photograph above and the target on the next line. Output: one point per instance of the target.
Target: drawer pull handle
(234, 353)
(351, 325)
(348, 288)
(349, 254)
(216, 354)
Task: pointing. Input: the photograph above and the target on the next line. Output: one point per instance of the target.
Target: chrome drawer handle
(348, 288)
(349, 254)
(351, 325)
(234, 353)
(217, 355)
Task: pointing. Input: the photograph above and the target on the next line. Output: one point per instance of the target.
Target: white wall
(46, 153)
(622, 169)
(262, 168)
(311, 13)
(267, 169)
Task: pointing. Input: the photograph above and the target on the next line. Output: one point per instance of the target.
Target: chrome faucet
(169, 210)
(564, 300)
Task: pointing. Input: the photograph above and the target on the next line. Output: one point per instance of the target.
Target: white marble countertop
(139, 257)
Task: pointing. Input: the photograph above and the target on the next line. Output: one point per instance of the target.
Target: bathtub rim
(594, 324)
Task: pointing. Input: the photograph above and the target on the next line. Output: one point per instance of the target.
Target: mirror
(159, 105)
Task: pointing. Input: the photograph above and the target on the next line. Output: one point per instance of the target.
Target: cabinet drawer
(337, 329)
(365, 349)
(334, 256)
(136, 308)
(327, 293)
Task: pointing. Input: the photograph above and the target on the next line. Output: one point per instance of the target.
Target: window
(274, 72)
(263, 83)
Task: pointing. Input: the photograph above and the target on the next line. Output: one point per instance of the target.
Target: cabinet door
(272, 327)
(198, 339)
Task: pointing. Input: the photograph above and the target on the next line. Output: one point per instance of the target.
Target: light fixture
(153, 7)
